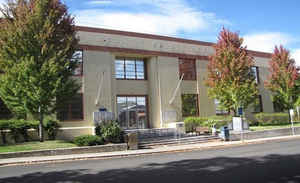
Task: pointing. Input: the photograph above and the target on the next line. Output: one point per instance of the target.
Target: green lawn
(30, 146)
(260, 128)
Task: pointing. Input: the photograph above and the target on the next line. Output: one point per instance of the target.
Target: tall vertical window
(132, 111)
(188, 68)
(219, 109)
(255, 73)
(130, 69)
(72, 109)
(189, 105)
(78, 56)
(257, 105)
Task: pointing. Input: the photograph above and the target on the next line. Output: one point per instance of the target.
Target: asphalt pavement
(271, 162)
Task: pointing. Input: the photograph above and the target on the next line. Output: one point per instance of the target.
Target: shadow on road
(267, 169)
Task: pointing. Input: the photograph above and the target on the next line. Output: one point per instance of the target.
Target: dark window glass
(71, 110)
(78, 56)
(257, 105)
(130, 69)
(189, 105)
(188, 68)
(255, 73)
(4, 111)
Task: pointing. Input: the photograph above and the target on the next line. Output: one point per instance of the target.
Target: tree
(282, 79)
(37, 41)
(230, 78)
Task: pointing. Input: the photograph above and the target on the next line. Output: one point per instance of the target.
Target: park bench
(202, 130)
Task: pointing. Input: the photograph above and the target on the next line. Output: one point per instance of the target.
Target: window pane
(188, 68)
(122, 111)
(189, 105)
(77, 56)
(130, 69)
(119, 69)
(254, 71)
(71, 110)
(141, 112)
(131, 101)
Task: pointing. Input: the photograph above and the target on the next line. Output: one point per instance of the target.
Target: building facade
(138, 77)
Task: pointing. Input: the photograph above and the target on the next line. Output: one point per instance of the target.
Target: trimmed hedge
(88, 140)
(265, 119)
(17, 127)
(191, 123)
(111, 132)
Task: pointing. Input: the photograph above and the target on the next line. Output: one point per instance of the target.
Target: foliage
(37, 41)
(191, 123)
(17, 128)
(282, 78)
(51, 127)
(230, 78)
(189, 105)
(112, 132)
(98, 130)
(264, 119)
(88, 140)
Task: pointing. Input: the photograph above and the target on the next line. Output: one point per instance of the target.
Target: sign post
(240, 113)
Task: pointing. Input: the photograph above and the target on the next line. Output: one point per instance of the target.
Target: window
(257, 105)
(132, 112)
(4, 111)
(219, 109)
(189, 105)
(77, 56)
(72, 110)
(130, 69)
(188, 68)
(255, 73)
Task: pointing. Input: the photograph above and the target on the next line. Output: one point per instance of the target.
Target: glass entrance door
(132, 112)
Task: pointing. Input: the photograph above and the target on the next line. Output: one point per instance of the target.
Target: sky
(262, 23)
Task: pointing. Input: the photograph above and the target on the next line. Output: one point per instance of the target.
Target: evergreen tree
(282, 79)
(37, 41)
(230, 79)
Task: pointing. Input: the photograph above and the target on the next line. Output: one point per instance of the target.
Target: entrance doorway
(132, 112)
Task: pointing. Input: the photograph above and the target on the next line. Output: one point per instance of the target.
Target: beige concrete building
(137, 78)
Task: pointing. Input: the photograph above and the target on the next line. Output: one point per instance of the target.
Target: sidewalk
(164, 149)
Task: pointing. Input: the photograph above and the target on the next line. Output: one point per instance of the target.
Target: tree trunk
(41, 128)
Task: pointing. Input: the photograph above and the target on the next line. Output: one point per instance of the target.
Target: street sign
(240, 111)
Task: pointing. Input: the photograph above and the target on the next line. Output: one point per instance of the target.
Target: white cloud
(295, 54)
(167, 17)
(266, 41)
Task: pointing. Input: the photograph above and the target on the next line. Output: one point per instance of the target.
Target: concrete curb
(129, 153)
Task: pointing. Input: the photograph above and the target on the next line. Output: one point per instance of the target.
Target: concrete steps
(171, 141)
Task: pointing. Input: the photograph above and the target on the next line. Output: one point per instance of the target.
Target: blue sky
(262, 23)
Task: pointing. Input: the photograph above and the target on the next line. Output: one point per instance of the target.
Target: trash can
(224, 133)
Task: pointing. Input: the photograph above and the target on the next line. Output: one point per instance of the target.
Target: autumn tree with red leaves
(282, 79)
(230, 79)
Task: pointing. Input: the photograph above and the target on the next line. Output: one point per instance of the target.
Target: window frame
(191, 61)
(197, 105)
(260, 105)
(257, 80)
(147, 107)
(80, 64)
(135, 59)
(69, 112)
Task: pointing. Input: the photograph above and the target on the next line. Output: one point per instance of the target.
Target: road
(272, 162)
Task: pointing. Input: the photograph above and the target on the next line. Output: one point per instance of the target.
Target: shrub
(88, 140)
(264, 119)
(20, 127)
(51, 127)
(98, 130)
(219, 121)
(191, 123)
(4, 125)
(111, 132)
